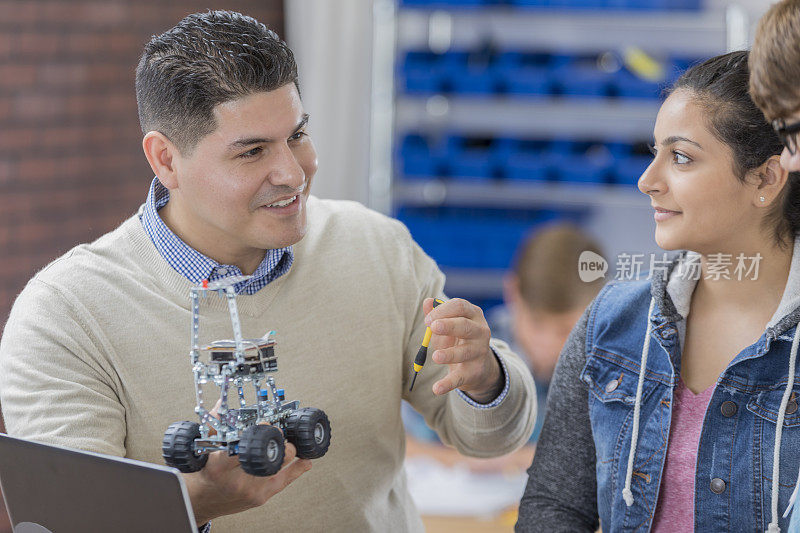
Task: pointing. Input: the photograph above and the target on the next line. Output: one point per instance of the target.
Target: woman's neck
(752, 276)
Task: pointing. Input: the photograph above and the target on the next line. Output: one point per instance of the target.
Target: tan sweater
(95, 356)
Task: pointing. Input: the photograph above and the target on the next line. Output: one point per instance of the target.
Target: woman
(674, 396)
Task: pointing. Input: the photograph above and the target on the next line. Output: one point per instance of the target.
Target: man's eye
(652, 150)
(251, 153)
(297, 136)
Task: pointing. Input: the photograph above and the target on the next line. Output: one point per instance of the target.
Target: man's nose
(789, 161)
(286, 170)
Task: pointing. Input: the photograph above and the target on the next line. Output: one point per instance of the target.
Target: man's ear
(161, 154)
(772, 180)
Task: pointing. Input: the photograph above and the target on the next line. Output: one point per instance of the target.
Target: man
(94, 354)
(775, 75)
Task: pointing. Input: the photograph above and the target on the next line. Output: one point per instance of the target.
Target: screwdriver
(422, 354)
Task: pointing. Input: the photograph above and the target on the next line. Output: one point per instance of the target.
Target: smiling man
(94, 354)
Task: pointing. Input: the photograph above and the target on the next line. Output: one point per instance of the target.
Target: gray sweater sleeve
(561, 494)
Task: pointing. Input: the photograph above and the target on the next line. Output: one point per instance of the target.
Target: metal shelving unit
(688, 34)
(580, 31)
(527, 117)
(438, 192)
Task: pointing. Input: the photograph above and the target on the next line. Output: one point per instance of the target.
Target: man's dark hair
(205, 60)
(720, 86)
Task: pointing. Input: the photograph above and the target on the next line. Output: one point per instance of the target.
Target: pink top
(675, 508)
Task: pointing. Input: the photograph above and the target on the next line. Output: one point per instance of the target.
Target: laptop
(62, 490)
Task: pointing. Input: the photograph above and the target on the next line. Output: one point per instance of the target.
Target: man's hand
(461, 341)
(223, 488)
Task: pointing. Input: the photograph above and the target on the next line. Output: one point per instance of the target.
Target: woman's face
(699, 202)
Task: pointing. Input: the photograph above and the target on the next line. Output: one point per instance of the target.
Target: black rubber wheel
(310, 432)
(261, 450)
(177, 448)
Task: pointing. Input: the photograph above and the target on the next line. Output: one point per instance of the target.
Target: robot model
(255, 432)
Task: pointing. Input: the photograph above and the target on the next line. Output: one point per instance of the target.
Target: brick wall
(71, 164)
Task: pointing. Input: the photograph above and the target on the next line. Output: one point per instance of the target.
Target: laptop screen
(51, 488)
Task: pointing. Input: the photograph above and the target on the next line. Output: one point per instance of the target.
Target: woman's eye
(680, 159)
(652, 150)
(252, 153)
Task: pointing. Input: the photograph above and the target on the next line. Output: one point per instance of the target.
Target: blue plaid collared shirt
(195, 266)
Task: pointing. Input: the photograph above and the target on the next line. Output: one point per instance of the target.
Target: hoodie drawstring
(776, 453)
(627, 494)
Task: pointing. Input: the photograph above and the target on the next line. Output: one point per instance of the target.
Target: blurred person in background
(543, 299)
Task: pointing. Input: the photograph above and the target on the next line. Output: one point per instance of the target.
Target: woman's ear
(161, 153)
(511, 295)
(772, 178)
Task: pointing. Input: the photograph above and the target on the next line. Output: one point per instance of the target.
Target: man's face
(243, 188)
(789, 161)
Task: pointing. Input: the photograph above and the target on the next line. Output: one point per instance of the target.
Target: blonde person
(775, 88)
(674, 404)
(775, 75)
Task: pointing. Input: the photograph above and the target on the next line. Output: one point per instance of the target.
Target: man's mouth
(283, 203)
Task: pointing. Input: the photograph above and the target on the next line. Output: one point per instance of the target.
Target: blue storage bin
(536, 81)
(628, 85)
(579, 169)
(503, 148)
(469, 73)
(530, 3)
(619, 149)
(528, 167)
(469, 158)
(582, 78)
(418, 159)
(471, 166)
(474, 82)
(422, 81)
(445, 3)
(528, 162)
(422, 73)
(628, 170)
(580, 162)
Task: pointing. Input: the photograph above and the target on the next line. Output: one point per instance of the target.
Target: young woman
(674, 403)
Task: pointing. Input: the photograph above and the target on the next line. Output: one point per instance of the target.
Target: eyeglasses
(787, 134)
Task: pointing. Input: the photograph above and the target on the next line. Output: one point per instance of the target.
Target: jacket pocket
(765, 406)
(612, 394)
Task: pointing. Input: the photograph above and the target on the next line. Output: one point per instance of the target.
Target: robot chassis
(253, 432)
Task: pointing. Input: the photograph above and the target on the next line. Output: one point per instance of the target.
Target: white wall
(332, 42)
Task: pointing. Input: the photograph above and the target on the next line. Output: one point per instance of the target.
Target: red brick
(71, 165)
(17, 76)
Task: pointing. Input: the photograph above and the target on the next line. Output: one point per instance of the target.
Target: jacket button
(728, 409)
(717, 486)
(791, 407)
(612, 385)
(668, 332)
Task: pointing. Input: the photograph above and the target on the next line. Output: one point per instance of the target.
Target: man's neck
(246, 260)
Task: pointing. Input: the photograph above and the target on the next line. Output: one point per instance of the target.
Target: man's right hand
(222, 487)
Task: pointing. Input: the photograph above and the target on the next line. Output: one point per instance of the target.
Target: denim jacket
(733, 480)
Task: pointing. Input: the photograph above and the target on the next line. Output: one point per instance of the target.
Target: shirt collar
(196, 266)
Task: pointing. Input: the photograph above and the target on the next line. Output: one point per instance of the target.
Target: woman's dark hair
(720, 85)
(205, 60)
